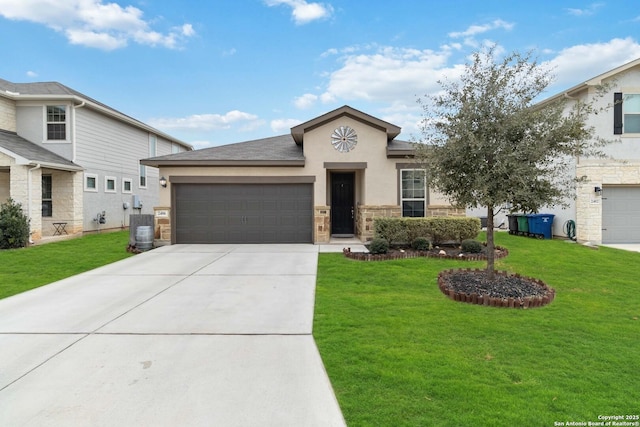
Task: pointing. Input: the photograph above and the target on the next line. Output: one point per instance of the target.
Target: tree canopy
(485, 142)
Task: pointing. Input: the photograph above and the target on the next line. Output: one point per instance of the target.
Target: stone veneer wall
(162, 225)
(7, 114)
(445, 210)
(322, 224)
(366, 214)
(589, 205)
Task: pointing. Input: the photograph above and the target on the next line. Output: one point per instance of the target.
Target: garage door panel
(621, 214)
(243, 213)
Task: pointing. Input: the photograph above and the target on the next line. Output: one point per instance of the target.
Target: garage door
(621, 214)
(243, 213)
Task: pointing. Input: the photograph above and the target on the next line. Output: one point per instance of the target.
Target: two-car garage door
(621, 214)
(243, 213)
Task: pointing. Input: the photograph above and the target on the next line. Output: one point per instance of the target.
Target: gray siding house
(73, 162)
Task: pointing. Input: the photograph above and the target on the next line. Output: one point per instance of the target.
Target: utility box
(137, 203)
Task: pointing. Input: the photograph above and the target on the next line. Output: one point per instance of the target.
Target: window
(631, 113)
(626, 113)
(413, 192)
(153, 146)
(143, 176)
(47, 202)
(90, 182)
(175, 148)
(126, 185)
(56, 122)
(109, 184)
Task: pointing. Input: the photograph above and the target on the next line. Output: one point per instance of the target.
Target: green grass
(399, 353)
(28, 268)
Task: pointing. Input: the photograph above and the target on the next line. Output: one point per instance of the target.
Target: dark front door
(342, 203)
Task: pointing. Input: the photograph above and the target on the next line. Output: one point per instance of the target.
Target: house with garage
(73, 162)
(330, 176)
(606, 206)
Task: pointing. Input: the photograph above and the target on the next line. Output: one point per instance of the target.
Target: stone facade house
(331, 176)
(73, 162)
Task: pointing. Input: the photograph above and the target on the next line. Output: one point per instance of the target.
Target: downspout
(38, 166)
(73, 129)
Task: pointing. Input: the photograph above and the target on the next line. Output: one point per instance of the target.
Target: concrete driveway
(212, 335)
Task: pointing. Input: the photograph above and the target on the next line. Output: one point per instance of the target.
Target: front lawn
(399, 353)
(28, 268)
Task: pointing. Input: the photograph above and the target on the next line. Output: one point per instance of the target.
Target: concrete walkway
(184, 335)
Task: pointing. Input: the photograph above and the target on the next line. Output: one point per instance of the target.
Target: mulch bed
(506, 290)
(442, 252)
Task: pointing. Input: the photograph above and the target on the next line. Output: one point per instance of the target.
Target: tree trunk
(490, 245)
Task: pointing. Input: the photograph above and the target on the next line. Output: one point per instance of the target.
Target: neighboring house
(606, 208)
(73, 161)
(331, 176)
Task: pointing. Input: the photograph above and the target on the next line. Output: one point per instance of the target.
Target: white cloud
(94, 23)
(284, 125)
(590, 10)
(32, 74)
(304, 12)
(208, 122)
(579, 63)
(305, 101)
(474, 30)
(388, 75)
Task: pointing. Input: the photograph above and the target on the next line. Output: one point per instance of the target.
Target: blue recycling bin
(541, 225)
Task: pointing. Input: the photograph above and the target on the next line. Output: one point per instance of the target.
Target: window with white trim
(56, 122)
(413, 192)
(631, 113)
(127, 185)
(153, 145)
(90, 182)
(109, 184)
(142, 183)
(175, 148)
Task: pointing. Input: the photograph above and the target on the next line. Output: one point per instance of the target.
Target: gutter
(73, 129)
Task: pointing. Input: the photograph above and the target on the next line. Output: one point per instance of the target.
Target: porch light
(598, 190)
(163, 181)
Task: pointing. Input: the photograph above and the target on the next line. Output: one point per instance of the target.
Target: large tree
(485, 142)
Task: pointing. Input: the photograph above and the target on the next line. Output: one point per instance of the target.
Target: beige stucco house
(331, 176)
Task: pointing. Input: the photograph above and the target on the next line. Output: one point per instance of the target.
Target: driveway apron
(189, 335)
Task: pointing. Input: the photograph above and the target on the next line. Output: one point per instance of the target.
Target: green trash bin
(523, 225)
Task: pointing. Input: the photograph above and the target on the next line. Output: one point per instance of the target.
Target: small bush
(379, 246)
(420, 244)
(471, 246)
(14, 226)
(393, 230)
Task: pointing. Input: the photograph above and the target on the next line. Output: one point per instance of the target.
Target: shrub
(14, 226)
(379, 246)
(471, 246)
(437, 229)
(420, 244)
(393, 230)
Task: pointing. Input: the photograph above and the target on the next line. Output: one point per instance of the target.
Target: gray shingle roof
(55, 88)
(14, 145)
(277, 149)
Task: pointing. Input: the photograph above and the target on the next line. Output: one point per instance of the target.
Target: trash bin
(513, 224)
(483, 222)
(523, 224)
(541, 225)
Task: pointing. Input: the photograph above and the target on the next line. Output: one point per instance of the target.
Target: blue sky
(215, 72)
